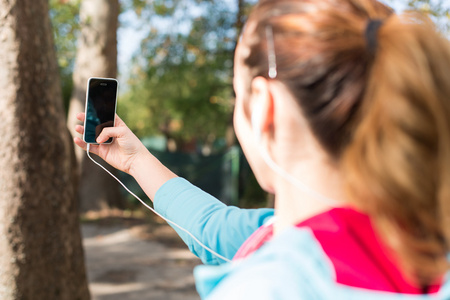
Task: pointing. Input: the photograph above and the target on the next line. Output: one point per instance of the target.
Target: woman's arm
(221, 228)
(128, 154)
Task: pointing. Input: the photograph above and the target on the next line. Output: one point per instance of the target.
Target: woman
(342, 109)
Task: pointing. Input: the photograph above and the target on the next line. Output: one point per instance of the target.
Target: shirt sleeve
(220, 227)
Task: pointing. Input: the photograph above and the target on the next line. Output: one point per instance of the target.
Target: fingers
(79, 129)
(106, 133)
(81, 116)
(82, 144)
(110, 132)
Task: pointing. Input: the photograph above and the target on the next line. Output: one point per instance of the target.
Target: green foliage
(181, 85)
(438, 10)
(64, 15)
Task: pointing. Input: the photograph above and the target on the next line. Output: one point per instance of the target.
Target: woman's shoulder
(270, 273)
(293, 265)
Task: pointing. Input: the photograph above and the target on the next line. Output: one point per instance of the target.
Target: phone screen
(101, 99)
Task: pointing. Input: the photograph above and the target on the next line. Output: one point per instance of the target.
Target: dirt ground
(131, 259)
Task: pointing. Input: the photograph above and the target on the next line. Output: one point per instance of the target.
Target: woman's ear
(261, 106)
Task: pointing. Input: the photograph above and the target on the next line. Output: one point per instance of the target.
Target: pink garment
(357, 254)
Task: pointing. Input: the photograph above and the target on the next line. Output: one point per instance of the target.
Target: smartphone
(101, 103)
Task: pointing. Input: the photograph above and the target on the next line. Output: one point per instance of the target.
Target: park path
(129, 260)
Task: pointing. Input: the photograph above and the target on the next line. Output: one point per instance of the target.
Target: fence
(226, 175)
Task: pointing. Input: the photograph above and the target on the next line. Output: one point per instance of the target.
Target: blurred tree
(41, 256)
(96, 57)
(181, 84)
(438, 10)
(65, 17)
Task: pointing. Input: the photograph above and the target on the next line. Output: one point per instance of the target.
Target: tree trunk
(96, 57)
(41, 256)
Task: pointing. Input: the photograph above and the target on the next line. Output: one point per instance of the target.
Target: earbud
(256, 122)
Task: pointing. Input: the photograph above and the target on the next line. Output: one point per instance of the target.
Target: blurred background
(174, 62)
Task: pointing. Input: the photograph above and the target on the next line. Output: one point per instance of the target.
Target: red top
(359, 257)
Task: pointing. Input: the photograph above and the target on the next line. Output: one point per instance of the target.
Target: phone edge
(86, 102)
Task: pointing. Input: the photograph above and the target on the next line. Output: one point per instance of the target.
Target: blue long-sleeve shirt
(220, 227)
(291, 266)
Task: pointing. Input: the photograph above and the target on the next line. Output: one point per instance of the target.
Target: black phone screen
(101, 98)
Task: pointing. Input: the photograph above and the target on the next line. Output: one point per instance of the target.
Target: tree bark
(41, 256)
(96, 57)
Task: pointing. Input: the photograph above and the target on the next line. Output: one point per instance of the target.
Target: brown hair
(383, 115)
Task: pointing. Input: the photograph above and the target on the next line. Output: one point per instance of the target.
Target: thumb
(109, 132)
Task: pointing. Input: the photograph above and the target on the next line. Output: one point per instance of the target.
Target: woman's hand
(129, 155)
(122, 152)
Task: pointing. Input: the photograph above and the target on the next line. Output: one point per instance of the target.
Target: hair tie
(371, 35)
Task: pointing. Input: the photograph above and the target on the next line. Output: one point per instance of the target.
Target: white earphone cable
(150, 208)
(294, 181)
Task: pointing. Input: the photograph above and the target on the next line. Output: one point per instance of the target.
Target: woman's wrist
(149, 172)
(140, 157)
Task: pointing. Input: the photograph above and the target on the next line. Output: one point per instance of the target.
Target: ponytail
(397, 164)
(379, 108)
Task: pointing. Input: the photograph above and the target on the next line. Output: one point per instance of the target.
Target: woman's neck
(293, 204)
